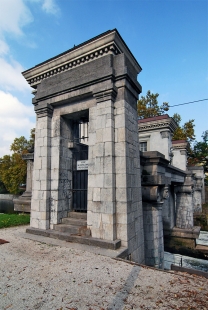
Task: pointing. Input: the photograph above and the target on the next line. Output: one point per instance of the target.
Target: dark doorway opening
(80, 165)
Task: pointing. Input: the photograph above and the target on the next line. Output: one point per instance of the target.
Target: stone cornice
(179, 144)
(158, 124)
(109, 42)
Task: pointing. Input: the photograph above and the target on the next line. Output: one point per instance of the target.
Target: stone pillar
(197, 195)
(61, 169)
(40, 204)
(129, 214)
(101, 167)
(23, 203)
(184, 203)
(153, 225)
(179, 149)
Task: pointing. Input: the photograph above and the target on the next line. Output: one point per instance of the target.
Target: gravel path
(36, 275)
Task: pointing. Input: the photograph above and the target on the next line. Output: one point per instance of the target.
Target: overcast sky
(169, 39)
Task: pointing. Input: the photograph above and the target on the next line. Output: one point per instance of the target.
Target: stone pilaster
(101, 167)
(184, 203)
(152, 197)
(40, 204)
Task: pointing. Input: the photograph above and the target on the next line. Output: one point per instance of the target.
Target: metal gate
(80, 178)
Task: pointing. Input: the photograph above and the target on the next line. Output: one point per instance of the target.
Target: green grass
(9, 220)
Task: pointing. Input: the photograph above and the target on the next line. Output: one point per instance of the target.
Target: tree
(185, 132)
(148, 106)
(199, 153)
(13, 169)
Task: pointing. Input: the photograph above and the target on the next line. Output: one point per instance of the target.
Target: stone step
(74, 221)
(78, 215)
(107, 244)
(70, 229)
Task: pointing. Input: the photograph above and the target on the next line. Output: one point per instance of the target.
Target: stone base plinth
(183, 241)
(23, 203)
(187, 233)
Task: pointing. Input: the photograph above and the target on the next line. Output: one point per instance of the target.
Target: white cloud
(14, 14)
(16, 120)
(11, 77)
(49, 6)
(4, 48)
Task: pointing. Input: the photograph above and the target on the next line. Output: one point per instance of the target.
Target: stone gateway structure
(87, 174)
(86, 106)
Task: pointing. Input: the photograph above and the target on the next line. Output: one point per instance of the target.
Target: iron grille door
(80, 190)
(80, 179)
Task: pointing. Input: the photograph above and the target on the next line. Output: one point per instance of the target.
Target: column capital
(44, 110)
(104, 95)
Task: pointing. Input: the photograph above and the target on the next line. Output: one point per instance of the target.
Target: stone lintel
(187, 233)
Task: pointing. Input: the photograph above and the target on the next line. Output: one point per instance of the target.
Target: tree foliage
(199, 153)
(13, 169)
(184, 132)
(148, 106)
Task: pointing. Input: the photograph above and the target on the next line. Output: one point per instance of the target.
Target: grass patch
(9, 220)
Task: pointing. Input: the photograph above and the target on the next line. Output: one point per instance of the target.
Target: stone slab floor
(35, 274)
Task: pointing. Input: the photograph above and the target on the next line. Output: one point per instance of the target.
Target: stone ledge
(190, 271)
(188, 233)
(107, 244)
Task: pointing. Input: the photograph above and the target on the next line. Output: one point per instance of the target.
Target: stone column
(197, 195)
(101, 167)
(184, 203)
(153, 226)
(40, 204)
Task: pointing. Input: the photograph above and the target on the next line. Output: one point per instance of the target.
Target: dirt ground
(41, 275)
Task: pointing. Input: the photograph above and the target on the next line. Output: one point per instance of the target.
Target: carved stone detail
(109, 94)
(165, 134)
(110, 49)
(45, 111)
